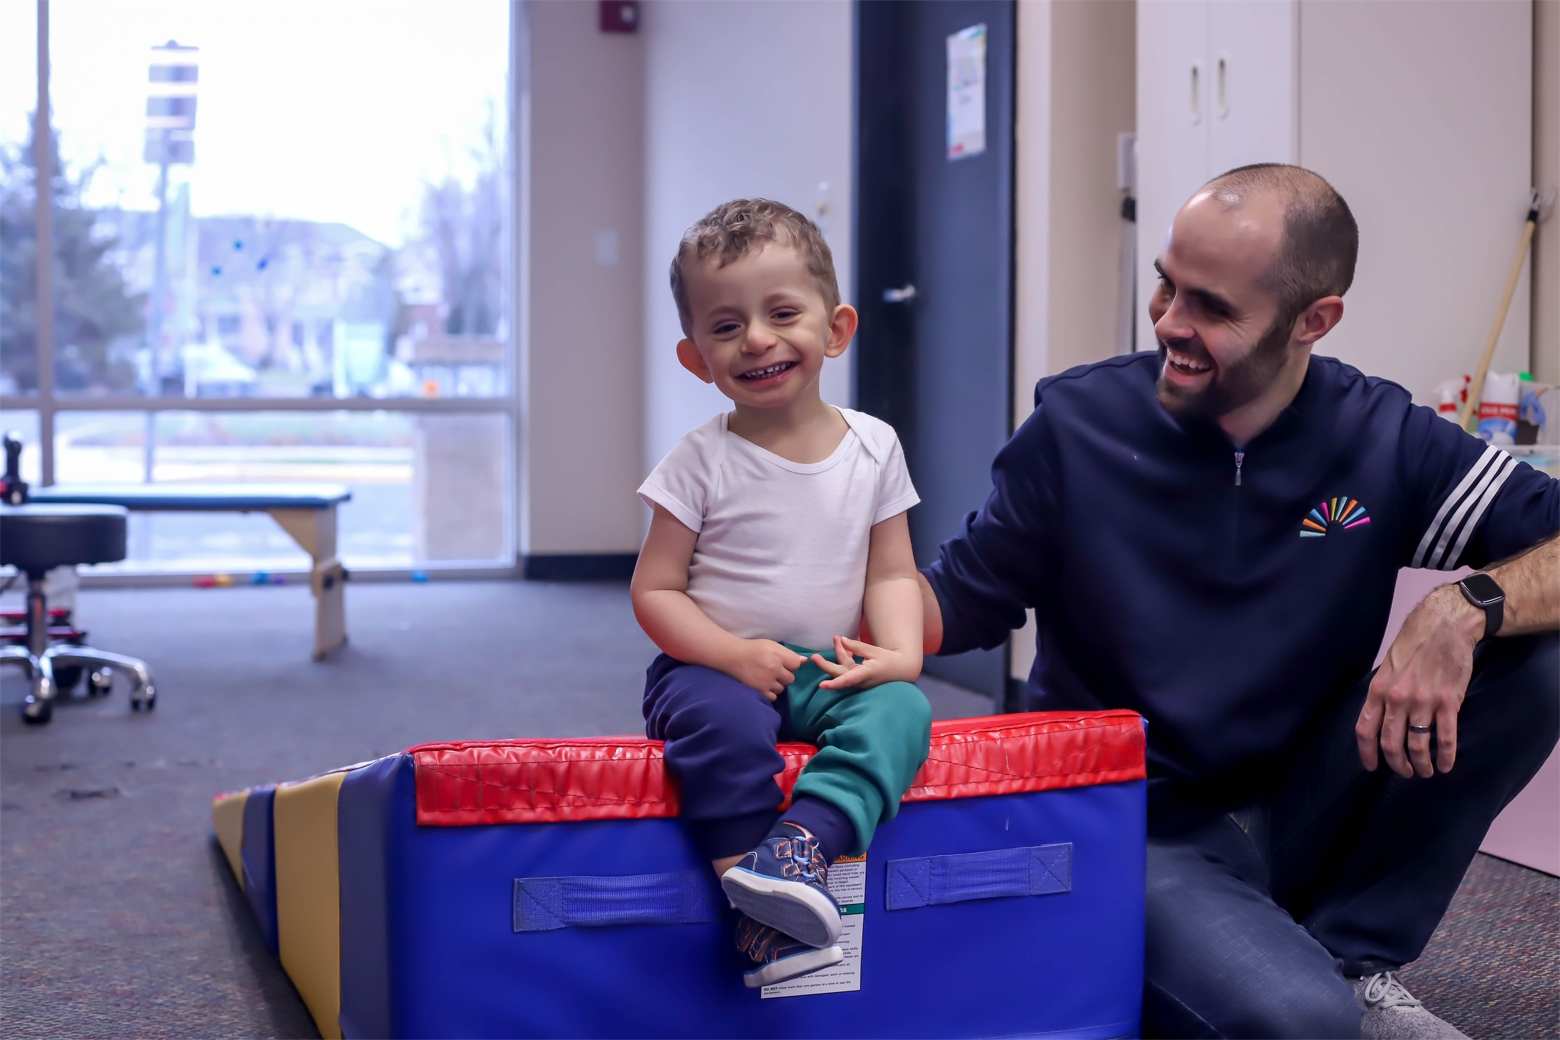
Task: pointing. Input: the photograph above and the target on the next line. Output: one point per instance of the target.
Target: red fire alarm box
(619, 16)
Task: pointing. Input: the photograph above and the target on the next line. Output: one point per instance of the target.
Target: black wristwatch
(1483, 592)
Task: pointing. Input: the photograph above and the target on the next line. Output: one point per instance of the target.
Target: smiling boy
(777, 529)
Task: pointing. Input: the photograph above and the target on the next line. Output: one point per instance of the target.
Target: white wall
(741, 98)
(1420, 114)
(579, 356)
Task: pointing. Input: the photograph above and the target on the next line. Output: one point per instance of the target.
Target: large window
(280, 241)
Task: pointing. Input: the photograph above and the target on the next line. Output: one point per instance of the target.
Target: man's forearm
(931, 617)
(1532, 586)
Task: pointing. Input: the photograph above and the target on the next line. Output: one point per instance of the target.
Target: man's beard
(1233, 385)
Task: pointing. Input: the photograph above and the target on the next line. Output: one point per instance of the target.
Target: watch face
(1482, 589)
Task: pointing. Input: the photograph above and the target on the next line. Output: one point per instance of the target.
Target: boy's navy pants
(720, 742)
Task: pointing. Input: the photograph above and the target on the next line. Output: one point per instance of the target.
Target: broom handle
(1476, 388)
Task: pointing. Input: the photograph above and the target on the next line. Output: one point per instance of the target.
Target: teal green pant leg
(870, 745)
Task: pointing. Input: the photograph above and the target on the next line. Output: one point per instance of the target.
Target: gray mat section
(118, 916)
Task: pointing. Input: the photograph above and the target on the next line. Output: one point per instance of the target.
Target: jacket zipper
(1240, 457)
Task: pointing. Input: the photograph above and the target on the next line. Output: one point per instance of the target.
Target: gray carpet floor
(118, 915)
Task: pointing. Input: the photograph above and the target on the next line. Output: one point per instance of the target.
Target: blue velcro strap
(1038, 870)
(545, 904)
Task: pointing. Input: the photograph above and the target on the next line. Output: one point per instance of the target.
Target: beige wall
(1076, 92)
(579, 346)
(1546, 176)
(1420, 114)
(741, 98)
(1093, 97)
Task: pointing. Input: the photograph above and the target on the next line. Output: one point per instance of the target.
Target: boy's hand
(878, 665)
(765, 665)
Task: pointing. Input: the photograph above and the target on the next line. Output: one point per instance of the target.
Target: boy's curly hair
(733, 229)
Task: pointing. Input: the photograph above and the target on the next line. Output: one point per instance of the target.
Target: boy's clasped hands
(769, 667)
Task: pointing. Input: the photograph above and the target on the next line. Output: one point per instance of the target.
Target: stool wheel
(65, 679)
(39, 708)
(147, 700)
(101, 682)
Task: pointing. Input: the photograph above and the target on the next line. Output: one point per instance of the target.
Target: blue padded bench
(545, 888)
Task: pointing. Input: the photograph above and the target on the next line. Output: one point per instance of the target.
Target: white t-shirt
(782, 549)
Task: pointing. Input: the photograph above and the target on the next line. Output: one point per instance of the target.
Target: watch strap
(1494, 615)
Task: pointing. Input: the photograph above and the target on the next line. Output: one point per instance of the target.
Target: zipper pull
(1240, 457)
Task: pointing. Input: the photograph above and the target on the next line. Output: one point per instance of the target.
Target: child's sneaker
(778, 957)
(784, 883)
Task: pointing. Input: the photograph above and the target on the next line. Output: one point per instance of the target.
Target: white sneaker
(1392, 1013)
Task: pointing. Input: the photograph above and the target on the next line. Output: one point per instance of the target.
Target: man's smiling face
(1220, 345)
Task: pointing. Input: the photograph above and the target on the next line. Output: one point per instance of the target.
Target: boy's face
(761, 329)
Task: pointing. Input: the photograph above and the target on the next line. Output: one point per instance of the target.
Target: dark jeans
(1255, 917)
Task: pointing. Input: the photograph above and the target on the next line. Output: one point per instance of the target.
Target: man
(1211, 537)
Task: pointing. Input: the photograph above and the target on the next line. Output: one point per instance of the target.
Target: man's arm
(974, 593)
(1425, 675)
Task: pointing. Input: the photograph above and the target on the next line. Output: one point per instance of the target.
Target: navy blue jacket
(1229, 612)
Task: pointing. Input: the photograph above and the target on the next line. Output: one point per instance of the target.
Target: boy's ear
(693, 361)
(842, 327)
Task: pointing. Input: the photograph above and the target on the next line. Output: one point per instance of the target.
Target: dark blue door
(934, 249)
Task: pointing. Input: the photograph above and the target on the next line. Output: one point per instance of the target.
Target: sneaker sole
(794, 966)
(803, 913)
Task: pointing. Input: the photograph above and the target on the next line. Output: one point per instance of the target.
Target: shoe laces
(1382, 990)
(803, 852)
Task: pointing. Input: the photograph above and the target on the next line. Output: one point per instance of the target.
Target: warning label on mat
(848, 885)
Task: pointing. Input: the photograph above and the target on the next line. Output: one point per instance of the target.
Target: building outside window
(281, 253)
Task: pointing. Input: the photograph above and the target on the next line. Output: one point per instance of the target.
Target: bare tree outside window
(463, 227)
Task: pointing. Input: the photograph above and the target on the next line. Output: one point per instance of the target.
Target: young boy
(777, 527)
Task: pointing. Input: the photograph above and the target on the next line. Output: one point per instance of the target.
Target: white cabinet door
(1252, 88)
(1173, 120)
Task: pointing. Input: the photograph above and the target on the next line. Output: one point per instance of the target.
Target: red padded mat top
(622, 778)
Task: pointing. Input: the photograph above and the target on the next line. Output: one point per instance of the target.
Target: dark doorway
(934, 261)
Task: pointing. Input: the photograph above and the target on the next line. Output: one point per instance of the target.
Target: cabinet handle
(1223, 86)
(1196, 92)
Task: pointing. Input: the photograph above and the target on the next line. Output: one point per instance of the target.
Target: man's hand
(1421, 682)
(763, 664)
(878, 665)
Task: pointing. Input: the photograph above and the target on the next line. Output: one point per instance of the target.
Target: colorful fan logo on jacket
(1343, 512)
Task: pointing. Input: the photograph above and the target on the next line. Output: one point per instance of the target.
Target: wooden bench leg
(315, 531)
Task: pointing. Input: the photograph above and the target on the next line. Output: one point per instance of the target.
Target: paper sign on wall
(967, 92)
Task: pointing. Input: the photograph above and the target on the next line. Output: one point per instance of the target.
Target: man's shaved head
(1321, 241)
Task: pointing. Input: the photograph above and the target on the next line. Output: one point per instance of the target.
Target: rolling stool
(35, 539)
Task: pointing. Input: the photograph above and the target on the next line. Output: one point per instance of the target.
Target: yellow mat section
(308, 895)
(227, 818)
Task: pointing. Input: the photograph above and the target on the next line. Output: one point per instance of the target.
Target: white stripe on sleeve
(1508, 466)
(1458, 495)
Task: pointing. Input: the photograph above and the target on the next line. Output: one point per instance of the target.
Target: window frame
(47, 404)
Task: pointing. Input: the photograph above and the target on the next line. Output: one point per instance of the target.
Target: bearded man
(1211, 536)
